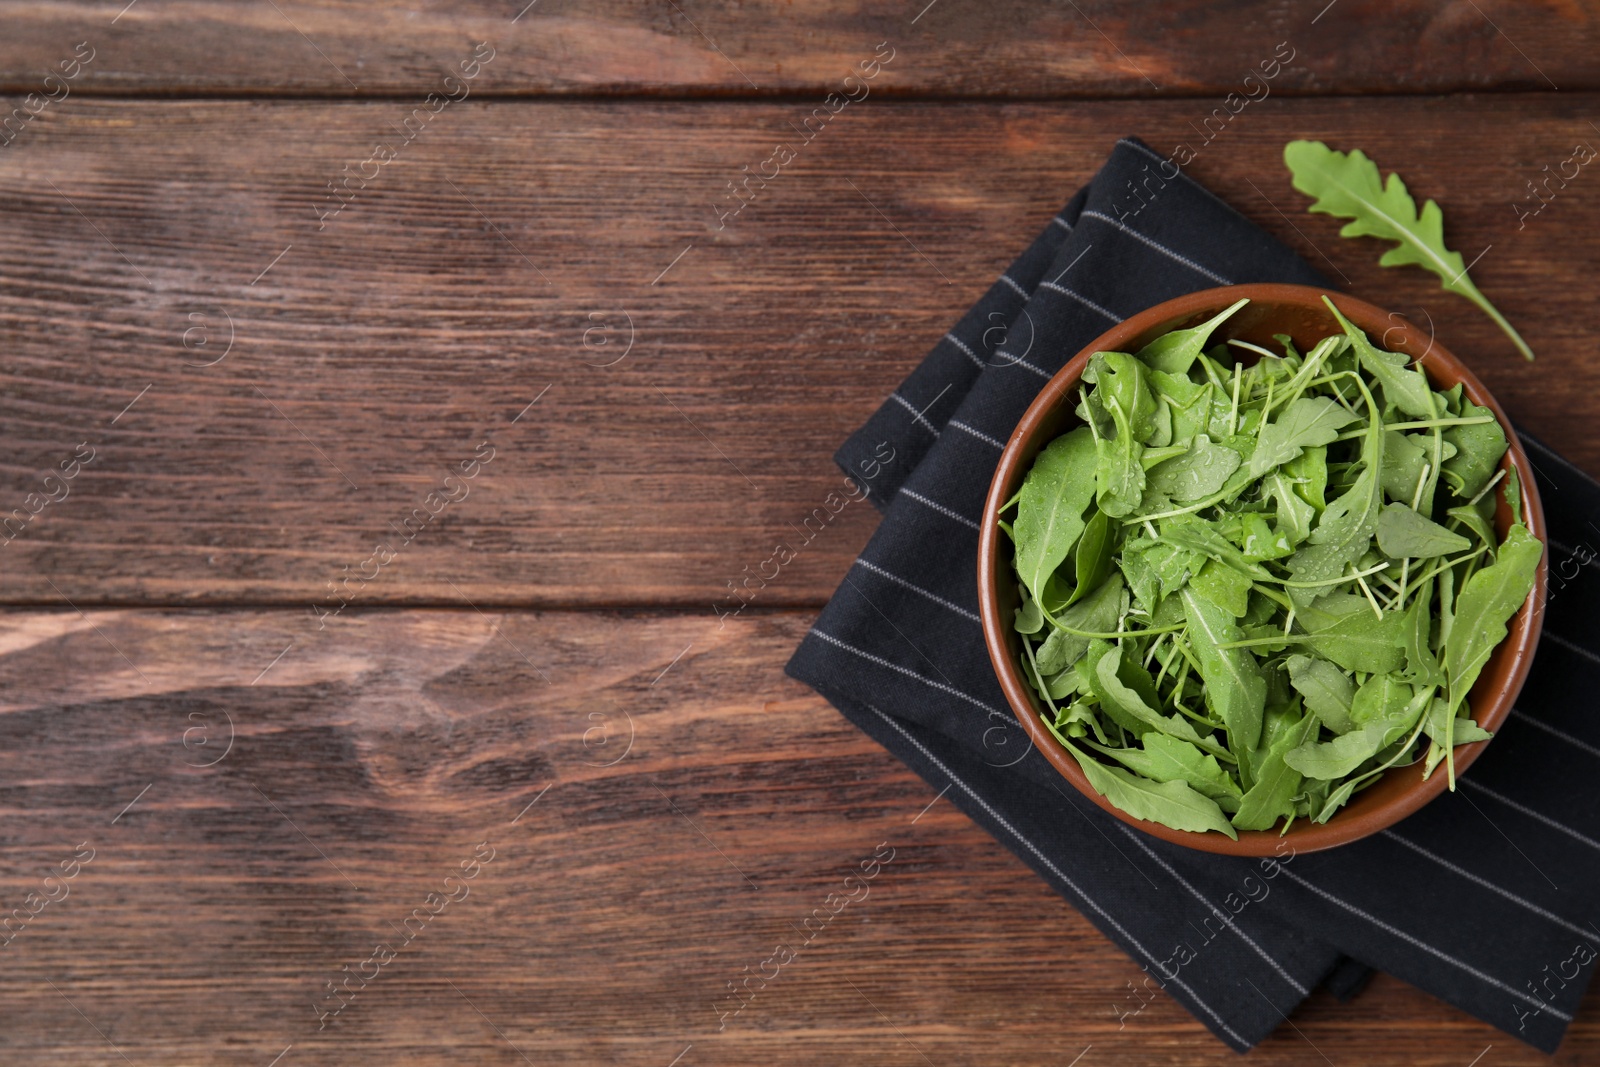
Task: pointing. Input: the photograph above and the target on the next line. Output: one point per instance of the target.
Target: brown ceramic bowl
(1298, 311)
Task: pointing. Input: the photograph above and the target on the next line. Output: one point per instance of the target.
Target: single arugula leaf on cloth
(1050, 507)
(1175, 804)
(1350, 187)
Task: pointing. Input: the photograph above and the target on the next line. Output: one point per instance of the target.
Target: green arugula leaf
(1350, 187)
(1402, 533)
(1050, 507)
(1326, 689)
(1329, 761)
(1487, 601)
(1128, 695)
(1175, 804)
(1092, 560)
(1405, 389)
(1479, 447)
(1307, 422)
(1223, 586)
(1096, 613)
(1198, 471)
(1235, 687)
(1169, 759)
(1357, 640)
(1175, 352)
(1271, 797)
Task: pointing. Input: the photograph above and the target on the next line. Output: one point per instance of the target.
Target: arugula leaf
(1029, 619)
(1329, 761)
(1092, 560)
(1205, 539)
(1344, 532)
(1119, 474)
(1479, 447)
(1439, 728)
(1487, 601)
(1235, 687)
(1357, 640)
(1405, 389)
(1096, 613)
(1326, 689)
(1309, 475)
(1175, 804)
(1168, 759)
(1306, 422)
(1223, 586)
(1272, 795)
(1402, 533)
(1294, 514)
(1129, 697)
(1349, 187)
(1176, 351)
(1050, 507)
(1422, 666)
(1198, 471)
(1188, 402)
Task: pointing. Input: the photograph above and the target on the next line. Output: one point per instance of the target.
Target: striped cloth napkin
(1488, 898)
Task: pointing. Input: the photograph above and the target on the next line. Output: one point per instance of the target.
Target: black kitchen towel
(1487, 898)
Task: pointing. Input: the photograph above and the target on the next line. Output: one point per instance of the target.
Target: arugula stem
(1038, 679)
(1492, 483)
(1253, 348)
(1233, 414)
(1330, 581)
(1361, 581)
(1118, 635)
(1465, 287)
(1480, 550)
(1274, 596)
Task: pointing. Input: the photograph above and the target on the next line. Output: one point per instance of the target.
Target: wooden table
(279, 293)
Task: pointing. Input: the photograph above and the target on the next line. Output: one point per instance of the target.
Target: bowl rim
(1507, 666)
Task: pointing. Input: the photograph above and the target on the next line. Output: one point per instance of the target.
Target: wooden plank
(961, 47)
(487, 263)
(688, 806)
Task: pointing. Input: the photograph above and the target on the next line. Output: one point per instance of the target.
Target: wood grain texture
(698, 805)
(492, 258)
(959, 47)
